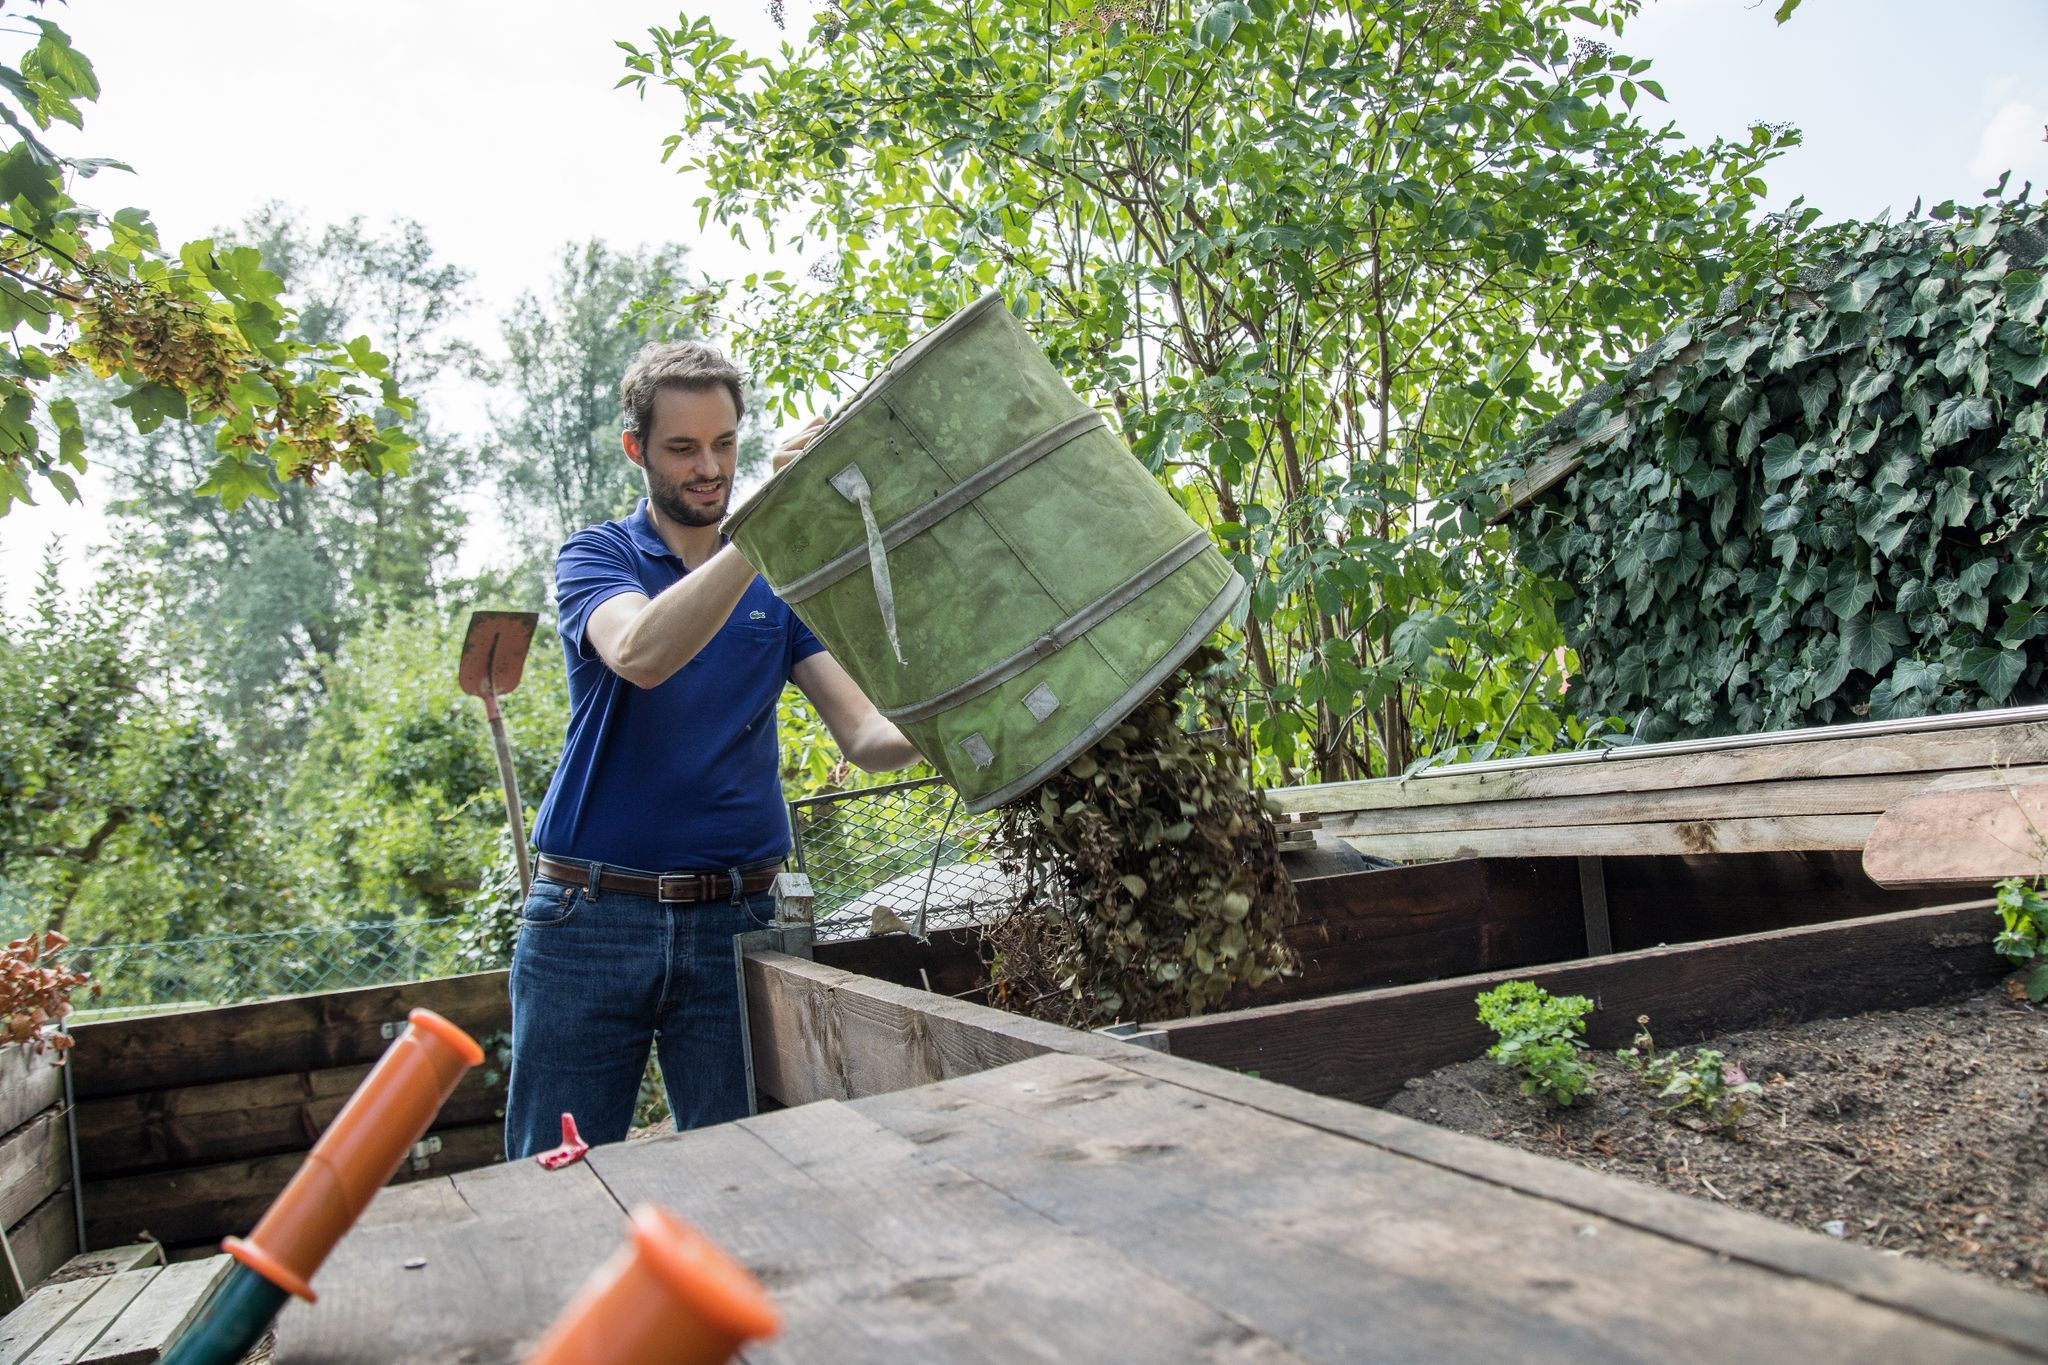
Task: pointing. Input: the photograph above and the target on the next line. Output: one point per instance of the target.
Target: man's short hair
(688, 365)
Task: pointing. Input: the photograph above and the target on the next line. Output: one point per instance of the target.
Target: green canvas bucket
(986, 557)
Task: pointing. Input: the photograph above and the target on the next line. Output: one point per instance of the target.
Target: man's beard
(669, 499)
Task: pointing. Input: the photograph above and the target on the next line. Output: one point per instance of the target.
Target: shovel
(493, 653)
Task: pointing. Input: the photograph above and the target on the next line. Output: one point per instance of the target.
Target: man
(660, 832)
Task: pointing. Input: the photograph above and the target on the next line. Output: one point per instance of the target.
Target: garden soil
(1919, 1132)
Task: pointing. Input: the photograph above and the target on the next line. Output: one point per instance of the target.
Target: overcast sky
(496, 126)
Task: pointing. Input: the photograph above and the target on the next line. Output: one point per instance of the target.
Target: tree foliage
(200, 333)
(1324, 259)
(1827, 501)
(280, 584)
(122, 813)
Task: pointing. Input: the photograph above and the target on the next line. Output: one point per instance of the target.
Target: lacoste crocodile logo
(757, 616)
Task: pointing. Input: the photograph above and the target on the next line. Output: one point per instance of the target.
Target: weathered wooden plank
(820, 1033)
(155, 1317)
(1686, 898)
(46, 1238)
(1987, 739)
(1930, 1292)
(35, 1161)
(198, 1204)
(46, 1310)
(29, 1084)
(1975, 835)
(1771, 835)
(1343, 1251)
(499, 1252)
(874, 1253)
(1728, 801)
(76, 1335)
(1416, 923)
(1593, 907)
(950, 964)
(271, 1037)
(233, 1120)
(1362, 1046)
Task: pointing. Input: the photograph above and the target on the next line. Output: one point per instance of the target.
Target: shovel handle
(511, 781)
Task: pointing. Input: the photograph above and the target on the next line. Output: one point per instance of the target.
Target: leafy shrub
(35, 992)
(2023, 937)
(1540, 1035)
(1826, 501)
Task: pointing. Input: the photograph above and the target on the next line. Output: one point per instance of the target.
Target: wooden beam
(300, 1033)
(159, 1314)
(820, 1033)
(1790, 833)
(29, 1084)
(46, 1239)
(1977, 835)
(1364, 1045)
(1593, 904)
(201, 1125)
(35, 1162)
(75, 1336)
(2016, 736)
(1557, 465)
(201, 1204)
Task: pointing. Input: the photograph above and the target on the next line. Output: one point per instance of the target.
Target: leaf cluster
(1150, 872)
(35, 992)
(2023, 934)
(1826, 501)
(1541, 1036)
(196, 334)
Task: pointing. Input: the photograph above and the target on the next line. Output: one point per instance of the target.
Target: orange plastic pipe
(669, 1296)
(358, 1153)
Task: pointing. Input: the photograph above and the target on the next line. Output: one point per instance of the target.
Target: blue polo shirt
(684, 776)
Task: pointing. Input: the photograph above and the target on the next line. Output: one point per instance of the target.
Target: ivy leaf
(1956, 418)
(1869, 642)
(1781, 458)
(1851, 597)
(1997, 671)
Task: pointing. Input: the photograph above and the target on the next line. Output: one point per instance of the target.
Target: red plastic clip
(572, 1149)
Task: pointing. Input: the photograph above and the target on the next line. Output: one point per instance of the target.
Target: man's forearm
(879, 747)
(674, 625)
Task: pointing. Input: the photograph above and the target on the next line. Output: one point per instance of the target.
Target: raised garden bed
(1921, 1131)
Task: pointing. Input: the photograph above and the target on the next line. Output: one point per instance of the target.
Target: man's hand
(790, 444)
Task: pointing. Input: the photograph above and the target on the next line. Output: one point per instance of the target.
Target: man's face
(692, 442)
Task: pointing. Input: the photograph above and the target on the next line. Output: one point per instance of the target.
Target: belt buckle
(689, 888)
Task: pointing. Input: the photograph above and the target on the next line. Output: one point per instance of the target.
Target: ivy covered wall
(1826, 503)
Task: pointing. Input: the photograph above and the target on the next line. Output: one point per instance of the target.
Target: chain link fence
(224, 969)
(899, 857)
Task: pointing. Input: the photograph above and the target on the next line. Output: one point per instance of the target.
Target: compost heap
(1151, 877)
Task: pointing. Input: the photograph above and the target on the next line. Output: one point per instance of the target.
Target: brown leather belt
(671, 888)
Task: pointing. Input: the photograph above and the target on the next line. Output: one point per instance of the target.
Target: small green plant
(2023, 941)
(1707, 1080)
(1540, 1036)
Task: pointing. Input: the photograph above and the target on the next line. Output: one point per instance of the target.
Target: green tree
(201, 333)
(122, 815)
(1325, 259)
(394, 805)
(279, 584)
(564, 356)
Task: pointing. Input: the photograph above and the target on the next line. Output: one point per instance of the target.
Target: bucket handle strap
(852, 485)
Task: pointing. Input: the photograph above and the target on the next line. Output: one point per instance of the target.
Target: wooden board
(29, 1084)
(1991, 739)
(157, 1315)
(1683, 899)
(270, 1037)
(1766, 835)
(1400, 924)
(202, 1204)
(875, 1254)
(1362, 1046)
(1732, 801)
(949, 965)
(77, 1333)
(820, 1033)
(499, 1252)
(234, 1120)
(46, 1238)
(35, 1162)
(46, 1310)
(1343, 1251)
(1974, 835)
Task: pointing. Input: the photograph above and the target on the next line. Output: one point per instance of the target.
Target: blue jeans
(598, 975)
